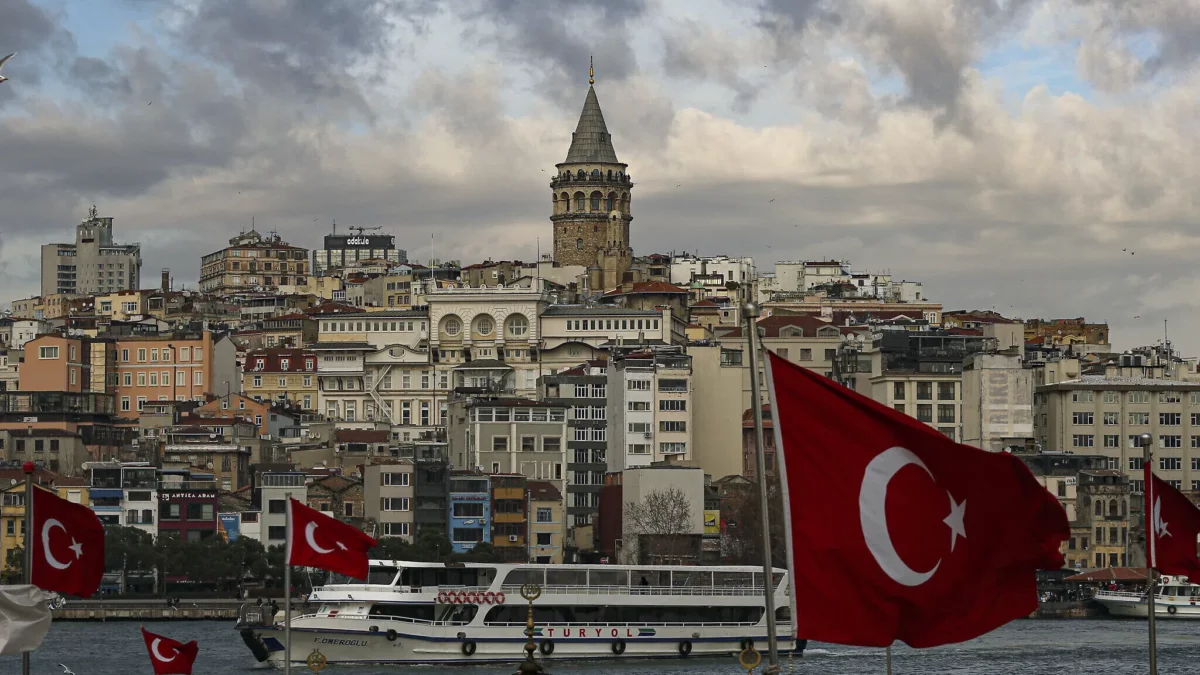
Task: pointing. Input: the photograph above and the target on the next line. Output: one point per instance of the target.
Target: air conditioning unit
(512, 538)
(648, 434)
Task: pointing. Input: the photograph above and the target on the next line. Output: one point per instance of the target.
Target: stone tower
(590, 202)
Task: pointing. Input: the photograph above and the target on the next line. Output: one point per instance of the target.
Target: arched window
(451, 325)
(612, 201)
(596, 228)
(595, 201)
(595, 174)
(610, 174)
(566, 201)
(579, 201)
(1113, 508)
(580, 174)
(1099, 507)
(518, 325)
(579, 244)
(484, 325)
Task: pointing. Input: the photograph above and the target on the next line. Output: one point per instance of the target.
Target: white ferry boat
(411, 612)
(1175, 599)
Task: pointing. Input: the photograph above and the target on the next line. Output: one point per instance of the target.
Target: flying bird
(66, 670)
(4, 61)
(769, 201)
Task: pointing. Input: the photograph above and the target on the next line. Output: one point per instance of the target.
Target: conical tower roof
(591, 142)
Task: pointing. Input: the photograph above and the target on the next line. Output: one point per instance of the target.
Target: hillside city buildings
(526, 404)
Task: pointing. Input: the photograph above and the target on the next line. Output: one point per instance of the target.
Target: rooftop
(594, 310)
(591, 142)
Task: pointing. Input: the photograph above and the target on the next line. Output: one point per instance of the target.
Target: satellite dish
(12, 481)
(324, 462)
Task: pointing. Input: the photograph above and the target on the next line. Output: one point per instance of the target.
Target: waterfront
(1023, 647)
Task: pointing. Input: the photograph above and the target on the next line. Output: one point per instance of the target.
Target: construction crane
(364, 229)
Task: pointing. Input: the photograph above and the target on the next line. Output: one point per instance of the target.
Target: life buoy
(489, 597)
(374, 629)
(500, 598)
(442, 598)
(468, 648)
(547, 647)
(392, 635)
(618, 647)
(747, 643)
(472, 598)
(456, 597)
(1171, 609)
(685, 648)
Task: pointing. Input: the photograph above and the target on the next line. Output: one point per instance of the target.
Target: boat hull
(1130, 608)
(431, 644)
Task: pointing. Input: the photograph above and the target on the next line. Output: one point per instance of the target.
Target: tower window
(595, 228)
(579, 201)
(610, 174)
(612, 201)
(596, 173)
(579, 244)
(595, 201)
(580, 174)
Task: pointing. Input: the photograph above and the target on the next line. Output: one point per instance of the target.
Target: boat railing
(647, 590)
(381, 617)
(1104, 593)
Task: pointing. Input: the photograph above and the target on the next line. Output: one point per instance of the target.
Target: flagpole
(751, 313)
(888, 654)
(28, 468)
(1148, 518)
(287, 594)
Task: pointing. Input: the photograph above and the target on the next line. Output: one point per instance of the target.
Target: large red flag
(68, 546)
(1176, 525)
(169, 657)
(897, 532)
(316, 540)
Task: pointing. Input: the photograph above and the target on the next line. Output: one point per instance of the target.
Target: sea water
(1033, 647)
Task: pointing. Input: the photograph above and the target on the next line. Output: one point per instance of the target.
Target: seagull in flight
(66, 670)
(4, 61)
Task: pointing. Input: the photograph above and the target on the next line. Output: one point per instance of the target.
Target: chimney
(166, 280)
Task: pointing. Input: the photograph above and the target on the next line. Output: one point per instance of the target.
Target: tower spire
(591, 70)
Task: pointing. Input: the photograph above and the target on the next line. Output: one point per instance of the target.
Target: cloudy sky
(1033, 156)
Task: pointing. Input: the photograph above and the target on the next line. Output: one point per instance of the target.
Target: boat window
(732, 579)
(418, 612)
(566, 577)
(382, 576)
(783, 613)
(521, 576)
(609, 577)
(691, 578)
(594, 614)
(461, 577)
(651, 578)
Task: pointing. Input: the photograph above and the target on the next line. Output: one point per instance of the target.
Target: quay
(148, 610)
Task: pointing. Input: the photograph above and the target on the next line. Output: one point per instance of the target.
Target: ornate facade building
(590, 203)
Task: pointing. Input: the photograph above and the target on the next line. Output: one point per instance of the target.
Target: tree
(666, 516)
(128, 548)
(483, 552)
(14, 562)
(741, 539)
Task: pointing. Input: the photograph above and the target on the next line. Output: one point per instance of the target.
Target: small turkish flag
(1176, 525)
(68, 546)
(168, 656)
(896, 531)
(316, 540)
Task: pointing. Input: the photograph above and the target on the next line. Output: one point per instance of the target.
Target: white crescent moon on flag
(157, 654)
(871, 501)
(46, 527)
(312, 543)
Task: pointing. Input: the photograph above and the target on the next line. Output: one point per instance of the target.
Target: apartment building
(253, 262)
(470, 515)
(498, 327)
(275, 489)
(509, 435)
(389, 497)
(510, 517)
(187, 505)
(997, 409)
(583, 392)
(571, 334)
(649, 408)
(125, 493)
(56, 363)
(547, 524)
(172, 367)
(431, 473)
(281, 376)
(63, 451)
(226, 459)
(339, 251)
(94, 264)
(729, 279)
(295, 329)
(1105, 415)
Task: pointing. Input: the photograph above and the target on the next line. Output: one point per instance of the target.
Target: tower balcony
(588, 181)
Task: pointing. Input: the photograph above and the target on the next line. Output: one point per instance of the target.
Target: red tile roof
(330, 308)
(1111, 574)
(542, 490)
(272, 360)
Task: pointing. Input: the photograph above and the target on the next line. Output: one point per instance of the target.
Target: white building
(649, 408)
(716, 277)
(275, 488)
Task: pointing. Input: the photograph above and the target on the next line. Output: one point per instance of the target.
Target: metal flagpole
(888, 653)
(28, 468)
(750, 313)
(1148, 518)
(287, 594)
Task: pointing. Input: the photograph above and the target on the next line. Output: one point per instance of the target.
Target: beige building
(649, 408)
(253, 262)
(547, 523)
(997, 402)
(280, 376)
(93, 264)
(509, 436)
(720, 373)
(639, 482)
(1105, 415)
(388, 497)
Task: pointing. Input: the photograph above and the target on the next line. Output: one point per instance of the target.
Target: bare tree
(665, 515)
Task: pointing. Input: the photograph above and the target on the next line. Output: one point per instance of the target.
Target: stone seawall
(131, 610)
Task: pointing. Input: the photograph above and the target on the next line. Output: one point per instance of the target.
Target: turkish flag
(1176, 526)
(316, 540)
(168, 656)
(896, 531)
(68, 546)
